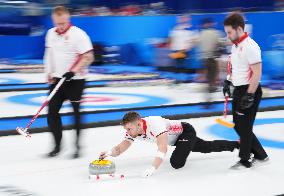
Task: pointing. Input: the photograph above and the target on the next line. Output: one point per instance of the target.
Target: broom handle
(46, 101)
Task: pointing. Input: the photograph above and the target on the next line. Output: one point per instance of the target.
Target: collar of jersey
(241, 39)
(62, 32)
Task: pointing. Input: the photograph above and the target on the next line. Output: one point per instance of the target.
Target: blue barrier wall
(124, 30)
(21, 47)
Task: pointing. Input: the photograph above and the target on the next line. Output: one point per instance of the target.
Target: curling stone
(98, 167)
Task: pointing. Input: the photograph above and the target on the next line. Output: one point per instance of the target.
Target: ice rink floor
(25, 171)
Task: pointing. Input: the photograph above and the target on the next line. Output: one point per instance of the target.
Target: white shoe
(257, 162)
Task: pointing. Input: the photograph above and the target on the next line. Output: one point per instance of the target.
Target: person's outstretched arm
(117, 150)
(162, 143)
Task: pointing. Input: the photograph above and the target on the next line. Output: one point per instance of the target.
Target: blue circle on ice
(148, 100)
(230, 134)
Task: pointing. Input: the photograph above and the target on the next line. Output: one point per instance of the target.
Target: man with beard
(244, 74)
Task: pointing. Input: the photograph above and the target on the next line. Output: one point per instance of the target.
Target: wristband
(161, 155)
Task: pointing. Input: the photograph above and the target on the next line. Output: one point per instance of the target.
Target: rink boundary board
(112, 117)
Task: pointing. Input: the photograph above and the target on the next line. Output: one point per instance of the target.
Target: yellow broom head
(225, 123)
(177, 55)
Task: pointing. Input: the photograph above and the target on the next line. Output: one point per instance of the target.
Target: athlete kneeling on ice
(166, 132)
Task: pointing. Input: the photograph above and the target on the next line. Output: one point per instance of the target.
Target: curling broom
(223, 121)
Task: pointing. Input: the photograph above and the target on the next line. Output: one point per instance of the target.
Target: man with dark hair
(235, 20)
(244, 74)
(68, 53)
(166, 132)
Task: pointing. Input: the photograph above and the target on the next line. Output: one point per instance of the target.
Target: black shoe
(241, 165)
(246, 163)
(76, 155)
(53, 153)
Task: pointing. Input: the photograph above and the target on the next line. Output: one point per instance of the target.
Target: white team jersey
(63, 50)
(244, 53)
(154, 126)
(181, 39)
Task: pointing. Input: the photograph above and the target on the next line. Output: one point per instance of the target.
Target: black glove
(68, 75)
(226, 88)
(247, 101)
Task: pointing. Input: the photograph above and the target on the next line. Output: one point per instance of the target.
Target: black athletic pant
(188, 141)
(244, 120)
(72, 91)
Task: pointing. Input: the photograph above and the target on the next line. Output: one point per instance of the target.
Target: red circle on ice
(96, 99)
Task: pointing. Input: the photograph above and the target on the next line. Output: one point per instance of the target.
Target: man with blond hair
(68, 53)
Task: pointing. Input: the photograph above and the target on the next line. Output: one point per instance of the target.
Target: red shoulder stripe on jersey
(144, 126)
(161, 133)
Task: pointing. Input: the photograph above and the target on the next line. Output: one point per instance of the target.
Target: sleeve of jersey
(83, 43)
(129, 138)
(253, 54)
(159, 128)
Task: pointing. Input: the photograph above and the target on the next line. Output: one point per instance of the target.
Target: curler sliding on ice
(165, 132)
(24, 131)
